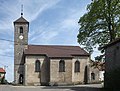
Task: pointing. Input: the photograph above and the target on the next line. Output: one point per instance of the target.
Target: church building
(46, 64)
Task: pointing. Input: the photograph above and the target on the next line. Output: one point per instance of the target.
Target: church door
(86, 75)
(21, 79)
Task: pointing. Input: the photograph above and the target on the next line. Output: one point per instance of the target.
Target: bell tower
(21, 29)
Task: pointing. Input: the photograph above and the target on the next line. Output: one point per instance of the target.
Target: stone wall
(50, 74)
(112, 66)
(36, 78)
(95, 71)
(60, 77)
(19, 46)
(79, 77)
(69, 76)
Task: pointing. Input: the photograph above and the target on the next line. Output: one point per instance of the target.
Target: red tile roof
(2, 70)
(55, 51)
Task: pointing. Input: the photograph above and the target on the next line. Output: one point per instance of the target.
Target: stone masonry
(49, 56)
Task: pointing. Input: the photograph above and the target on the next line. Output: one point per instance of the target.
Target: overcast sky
(52, 22)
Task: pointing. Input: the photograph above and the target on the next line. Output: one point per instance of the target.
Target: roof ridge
(55, 45)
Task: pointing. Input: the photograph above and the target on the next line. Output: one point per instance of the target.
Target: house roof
(21, 20)
(2, 70)
(112, 43)
(54, 51)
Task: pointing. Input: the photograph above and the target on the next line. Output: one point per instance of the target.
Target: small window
(62, 66)
(92, 76)
(21, 29)
(77, 66)
(37, 66)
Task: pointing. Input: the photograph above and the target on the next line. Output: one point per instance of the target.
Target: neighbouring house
(47, 64)
(2, 75)
(112, 64)
(101, 71)
(94, 75)
(96, 71)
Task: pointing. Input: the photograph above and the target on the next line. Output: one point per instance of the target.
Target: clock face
(20, 37)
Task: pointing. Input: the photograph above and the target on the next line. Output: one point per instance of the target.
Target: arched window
(77, 66)
(37, 66)
(92, 76)
(21, 29)
(62, 66)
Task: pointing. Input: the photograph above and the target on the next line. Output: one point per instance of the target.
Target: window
(77, 66)
(37, 66)
(92, 76)
(0, 74)
(21, 29)
(62, 66)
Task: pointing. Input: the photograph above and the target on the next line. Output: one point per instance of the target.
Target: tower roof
(21, 20)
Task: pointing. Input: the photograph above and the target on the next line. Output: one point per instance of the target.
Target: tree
(100, 25)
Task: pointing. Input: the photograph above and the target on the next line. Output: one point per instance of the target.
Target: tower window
(21, 29)
(77, 66)
(37, 66)
(62, 66)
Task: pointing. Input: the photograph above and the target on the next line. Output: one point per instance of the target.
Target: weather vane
(22, 10)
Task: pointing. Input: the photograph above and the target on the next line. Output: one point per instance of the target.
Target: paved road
(94, 87)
